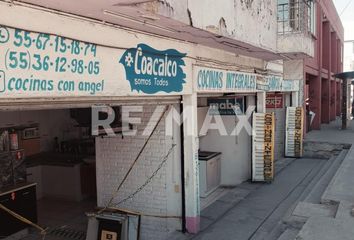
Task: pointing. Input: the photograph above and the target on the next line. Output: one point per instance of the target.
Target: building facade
(322, 90)
(150, 57)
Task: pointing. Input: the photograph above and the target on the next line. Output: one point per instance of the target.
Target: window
(296, 16)
(312, 17)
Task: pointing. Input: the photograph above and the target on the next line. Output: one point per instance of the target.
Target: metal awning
(345, 75)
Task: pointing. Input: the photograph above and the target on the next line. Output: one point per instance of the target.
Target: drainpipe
(183, 189)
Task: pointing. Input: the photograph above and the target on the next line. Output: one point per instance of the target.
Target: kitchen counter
(54, 159)
(16, 187)
(58, 175)
(21, 199)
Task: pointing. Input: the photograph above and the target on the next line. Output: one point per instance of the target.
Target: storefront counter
(21, 199)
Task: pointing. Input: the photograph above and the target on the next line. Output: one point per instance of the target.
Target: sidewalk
(252, 210)
(255, 211)
(340, 191)
(332, 133)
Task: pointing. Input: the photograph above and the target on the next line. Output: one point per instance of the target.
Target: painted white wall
(253, 22)
(236, 152)
(296, 43)
(294, 70)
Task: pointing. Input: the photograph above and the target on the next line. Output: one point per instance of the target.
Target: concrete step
(307, 210)
(345, 211)
(324, 228)
(310, 207)
(325, 177)
(316, 149)
(340, 188)
(289, 234)
(308, 202)
(310, 189)
(309, 185)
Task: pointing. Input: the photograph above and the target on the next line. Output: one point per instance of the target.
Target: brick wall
(162, 196)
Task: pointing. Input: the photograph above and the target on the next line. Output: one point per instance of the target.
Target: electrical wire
(115, 193)
(164, 160)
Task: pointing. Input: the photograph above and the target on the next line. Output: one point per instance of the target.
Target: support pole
(344, 103)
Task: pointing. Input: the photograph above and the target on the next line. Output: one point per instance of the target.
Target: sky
(345, 9)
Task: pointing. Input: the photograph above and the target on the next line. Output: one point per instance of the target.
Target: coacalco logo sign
(152, 71)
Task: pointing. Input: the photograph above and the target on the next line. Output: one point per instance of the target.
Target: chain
(164, 160)
(135, 161)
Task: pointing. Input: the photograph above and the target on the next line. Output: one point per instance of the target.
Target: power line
(345, 8)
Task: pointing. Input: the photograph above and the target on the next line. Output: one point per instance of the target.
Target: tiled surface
(61, 214)
(218, 193)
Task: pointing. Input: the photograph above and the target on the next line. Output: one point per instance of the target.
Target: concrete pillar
(326, 65)
(334, 52)
(339, 54)
(315, 100)
(332, 70)
(325, 103)
(333, 100)
(326, 45)
(261, 102)
(295, 99)
(338, 98)
(345, 104)
(315, 82)
(191, 166)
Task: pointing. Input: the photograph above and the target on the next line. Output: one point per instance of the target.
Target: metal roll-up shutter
(263, 147)
(294, 132)
(280, 118)
(65, 103)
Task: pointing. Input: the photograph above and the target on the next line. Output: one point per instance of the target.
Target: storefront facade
(81, 63)
(72, 66)
(281, 95)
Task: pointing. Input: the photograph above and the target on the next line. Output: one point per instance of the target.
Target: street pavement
(339, 191)
(256, 215)
(254, 210)
(290, 207)
(265, 211)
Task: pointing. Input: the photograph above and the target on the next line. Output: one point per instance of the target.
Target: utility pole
(346, 82)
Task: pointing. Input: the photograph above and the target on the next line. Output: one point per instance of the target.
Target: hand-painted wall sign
(290, 85)
(36, 65)
(274, 100)
(270, 83)
(218, 80)
(151, 71)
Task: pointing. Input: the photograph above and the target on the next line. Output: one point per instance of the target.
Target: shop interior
(55, 152)
(222, 165)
